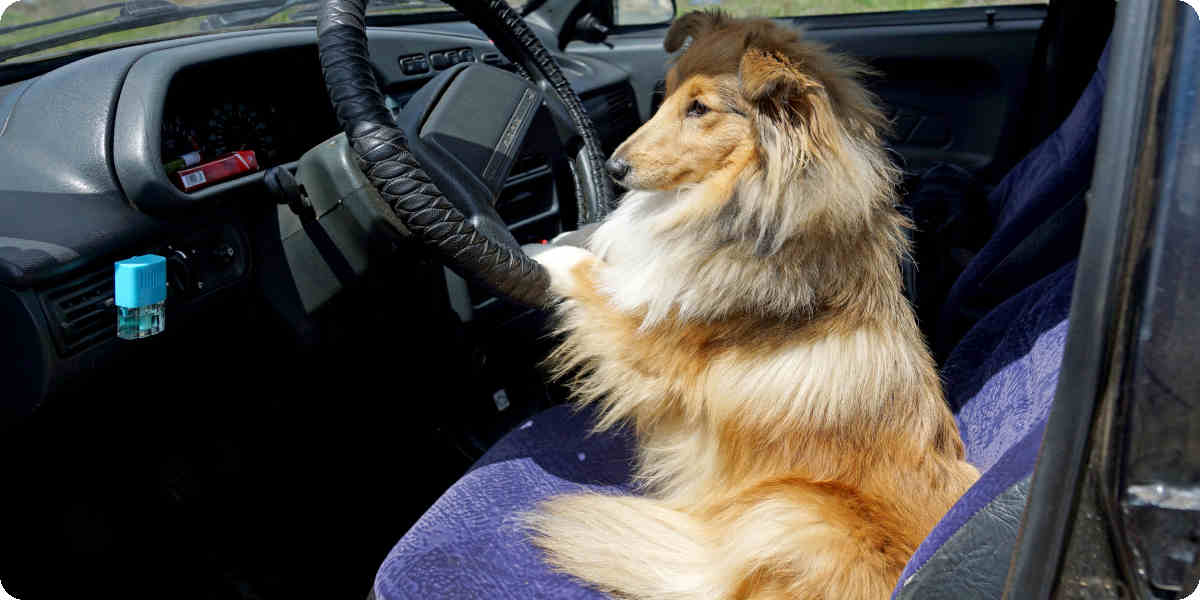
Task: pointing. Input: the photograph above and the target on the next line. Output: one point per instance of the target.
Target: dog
(742, 313)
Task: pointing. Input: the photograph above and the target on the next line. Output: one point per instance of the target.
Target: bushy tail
(628, 546)
(783, 539)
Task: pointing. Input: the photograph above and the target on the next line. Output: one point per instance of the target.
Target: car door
(953, 79)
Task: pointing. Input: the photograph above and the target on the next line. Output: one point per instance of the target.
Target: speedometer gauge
(178, 138)
(232, 126)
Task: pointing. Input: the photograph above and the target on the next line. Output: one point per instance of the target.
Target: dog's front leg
(565, 265)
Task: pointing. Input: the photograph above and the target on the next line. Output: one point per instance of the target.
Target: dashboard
(91, 155)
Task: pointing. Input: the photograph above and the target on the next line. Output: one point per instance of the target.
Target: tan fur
(742, 310)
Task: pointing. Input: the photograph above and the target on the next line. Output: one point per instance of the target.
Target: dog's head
(745, 95)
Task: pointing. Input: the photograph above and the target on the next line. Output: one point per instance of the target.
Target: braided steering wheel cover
(401, 181)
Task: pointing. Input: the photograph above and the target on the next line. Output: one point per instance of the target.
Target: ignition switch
(288, 191)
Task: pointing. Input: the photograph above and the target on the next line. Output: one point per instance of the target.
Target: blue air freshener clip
(140, 295)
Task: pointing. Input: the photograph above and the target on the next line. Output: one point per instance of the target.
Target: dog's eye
(697, 109)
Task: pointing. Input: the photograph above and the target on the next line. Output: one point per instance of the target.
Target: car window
(74, 21)
(641, 12)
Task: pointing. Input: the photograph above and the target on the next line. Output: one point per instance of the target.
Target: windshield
(35, 29)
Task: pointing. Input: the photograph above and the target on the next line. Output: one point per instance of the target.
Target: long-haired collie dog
(742, 313)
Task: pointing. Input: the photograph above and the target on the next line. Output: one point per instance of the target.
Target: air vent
(528, 193)
(658, 95)
(81, 312)
(622, 110)
(527, 164)
(614, 113)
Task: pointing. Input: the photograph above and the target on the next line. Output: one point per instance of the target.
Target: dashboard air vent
(614, 112)
(527, 164)
(622, 110)
(81, 311)
(658, 95)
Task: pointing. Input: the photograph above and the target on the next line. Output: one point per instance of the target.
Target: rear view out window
(633, 12)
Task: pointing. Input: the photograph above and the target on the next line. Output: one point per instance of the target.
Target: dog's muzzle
(617, 168)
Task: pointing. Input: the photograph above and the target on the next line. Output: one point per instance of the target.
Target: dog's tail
(784, 539)
(629, 546)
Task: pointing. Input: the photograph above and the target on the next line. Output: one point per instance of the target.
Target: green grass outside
(176, 28)
(24, 12)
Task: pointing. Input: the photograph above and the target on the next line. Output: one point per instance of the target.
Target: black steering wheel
(440, 165)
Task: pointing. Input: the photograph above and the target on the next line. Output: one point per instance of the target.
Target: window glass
(634, 12)
(33, 21)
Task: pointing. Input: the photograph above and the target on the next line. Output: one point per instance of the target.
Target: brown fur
(742, 310)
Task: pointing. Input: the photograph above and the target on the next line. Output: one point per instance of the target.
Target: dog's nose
(617, 168)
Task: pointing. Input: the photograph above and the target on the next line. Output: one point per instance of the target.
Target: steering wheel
(440, 165)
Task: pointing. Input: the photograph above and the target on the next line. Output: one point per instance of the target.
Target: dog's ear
(694, 25)
(791, 103)
(773, 81)
(781, 86)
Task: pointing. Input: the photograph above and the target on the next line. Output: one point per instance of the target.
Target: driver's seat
(1001, 380)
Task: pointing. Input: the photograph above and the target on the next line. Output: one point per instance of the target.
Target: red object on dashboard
(234, 164)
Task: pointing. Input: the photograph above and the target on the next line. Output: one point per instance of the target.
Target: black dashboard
(87, 153)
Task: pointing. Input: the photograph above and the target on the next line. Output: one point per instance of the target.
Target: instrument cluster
(223, 120)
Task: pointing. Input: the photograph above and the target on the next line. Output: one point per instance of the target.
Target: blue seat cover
(1042, 184)
(1003, 374)
(1001, 378)
(468, 546)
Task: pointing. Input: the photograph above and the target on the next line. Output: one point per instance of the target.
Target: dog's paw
(561, 262)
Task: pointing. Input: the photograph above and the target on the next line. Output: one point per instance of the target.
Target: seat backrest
(1038, 211)
(1006, 318)
(1007, 369)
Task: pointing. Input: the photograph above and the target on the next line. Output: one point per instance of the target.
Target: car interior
(301, 410)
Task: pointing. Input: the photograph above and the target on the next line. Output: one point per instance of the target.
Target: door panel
(951, 79)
